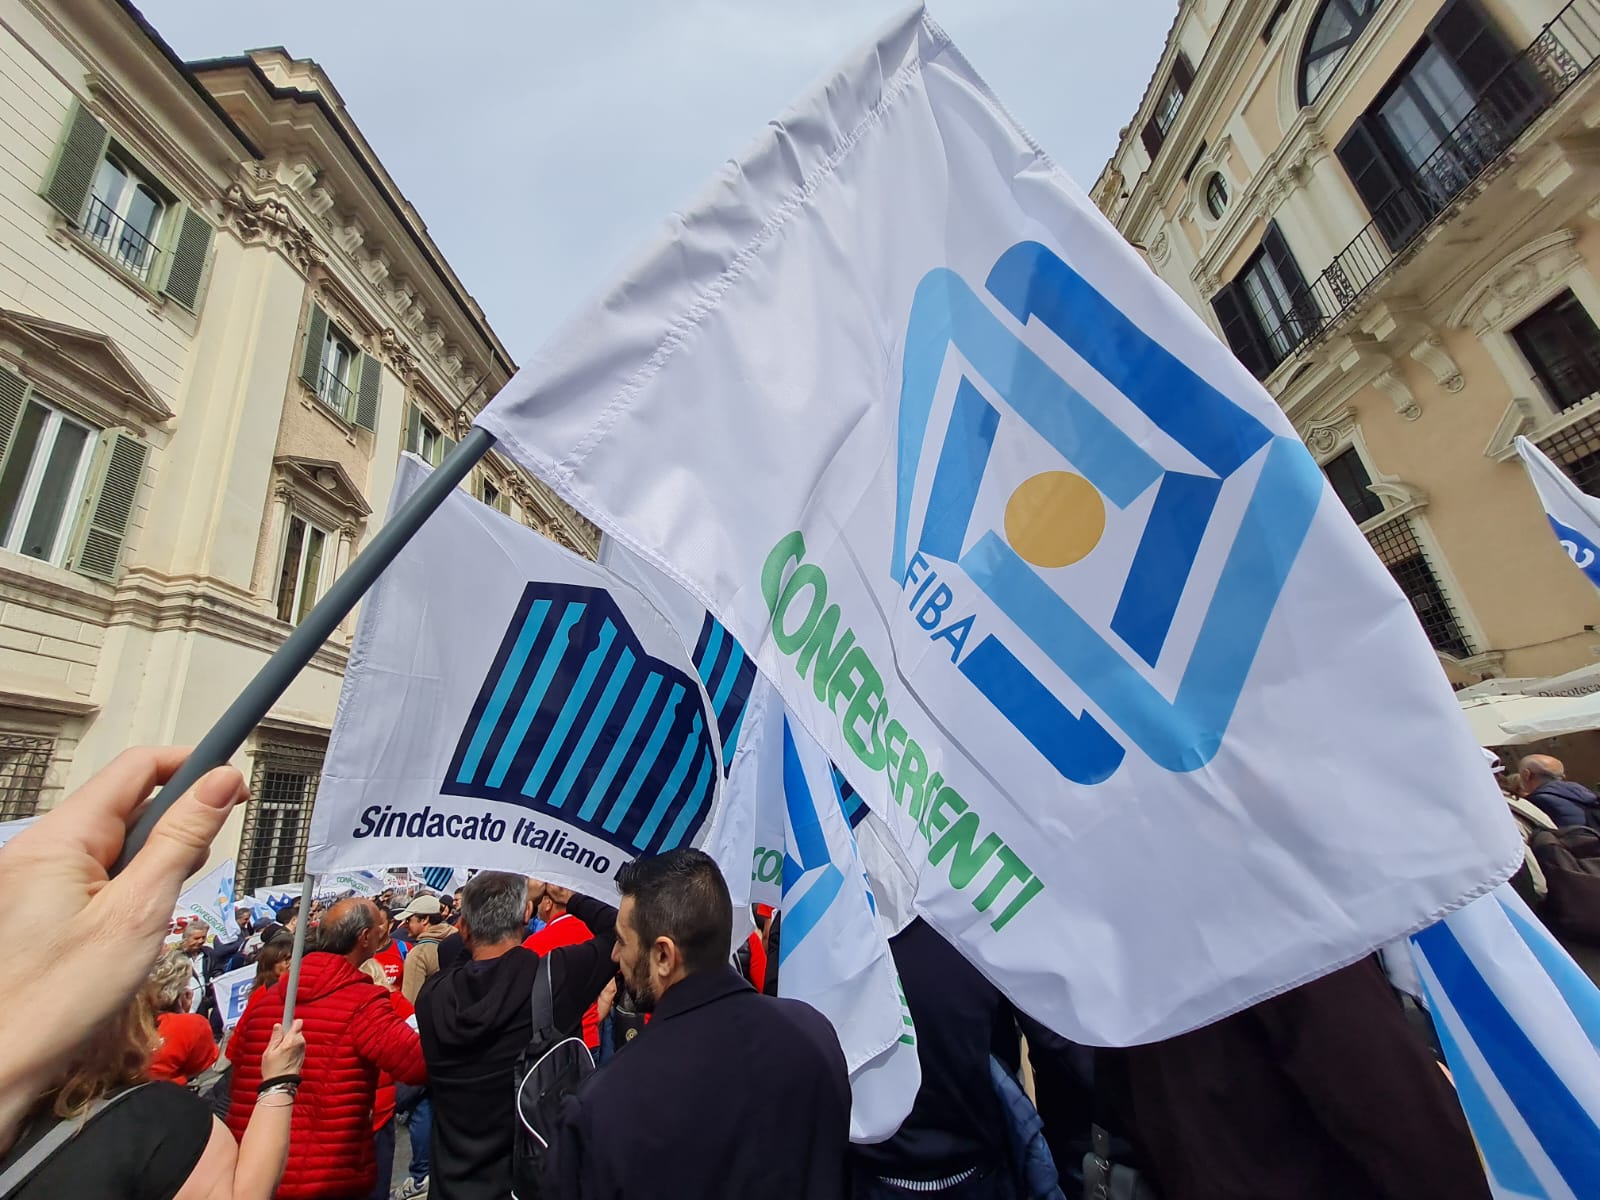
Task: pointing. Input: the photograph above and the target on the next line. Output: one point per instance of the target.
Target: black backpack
(1570, 860)
(548, 1071)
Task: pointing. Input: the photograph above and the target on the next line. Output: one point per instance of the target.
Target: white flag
(831, 950)
(1573, 514)
(232, 992)
(510, 705)
(211, 899)
(1031, 556)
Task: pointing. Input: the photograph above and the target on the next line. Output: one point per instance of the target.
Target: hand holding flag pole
(262, 692)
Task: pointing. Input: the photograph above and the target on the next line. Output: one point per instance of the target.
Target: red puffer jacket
(351, 1032)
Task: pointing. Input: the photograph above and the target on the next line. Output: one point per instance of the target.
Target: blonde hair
(116, 1056)
(169, 979)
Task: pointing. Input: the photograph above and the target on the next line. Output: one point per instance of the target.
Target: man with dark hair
(672, 1117)
(476, 1017)
(352, 1032)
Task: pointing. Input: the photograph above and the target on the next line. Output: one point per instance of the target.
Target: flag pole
(302, 923)
(224, 738)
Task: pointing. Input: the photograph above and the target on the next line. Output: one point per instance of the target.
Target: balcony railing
(1563, 53)
(335, 393)
(120, 241)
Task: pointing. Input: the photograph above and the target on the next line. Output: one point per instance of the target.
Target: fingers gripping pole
(301, 923)
(262, 692)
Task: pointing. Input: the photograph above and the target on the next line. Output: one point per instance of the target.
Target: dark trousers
(383, 1149)
(421, 1130)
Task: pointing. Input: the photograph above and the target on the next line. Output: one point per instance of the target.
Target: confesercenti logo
(575, 720)
(1188, 504)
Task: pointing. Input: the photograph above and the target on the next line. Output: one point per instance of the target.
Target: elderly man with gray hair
(1545, 785)
(476, 1017)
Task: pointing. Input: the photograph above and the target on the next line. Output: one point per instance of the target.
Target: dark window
(272, 847)
(1266, 311)
(1442, 118)
(1396, 545)
(1275, 16)
(1167, 106)
(1216, 195)
(1194, 162)
(24, 759)
(1333, 31)
(1348, 476)
(1562, 346)
(1576, 450)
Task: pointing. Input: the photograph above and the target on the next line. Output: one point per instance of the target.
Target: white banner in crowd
(1039, 565)
(211, 899)
(831, 950)
(361, 883)
(233, 993)
(10, 829)
(1573, 514)
(510, 705)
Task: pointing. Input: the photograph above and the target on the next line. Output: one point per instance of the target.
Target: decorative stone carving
(375, 266)
(396, 353)
(349, 233)
(1391, 385)
(1310, 152)
(320, 201)
(1431, 353)
(1515, 280)
(1323, 438)
(1160, 250)
(270, 222)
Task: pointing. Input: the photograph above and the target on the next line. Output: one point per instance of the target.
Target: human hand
(285, 1053)
(76, 933)
(602, 1006)
(558, 895)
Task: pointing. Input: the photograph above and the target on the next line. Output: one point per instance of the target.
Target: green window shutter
(186, 260)
(446, 444)
(112, 508)
(311, 358)
(13, 398)
(368, 384)
(413, 429)
(77, 161)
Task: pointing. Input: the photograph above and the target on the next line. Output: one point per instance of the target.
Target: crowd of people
(423, 1012)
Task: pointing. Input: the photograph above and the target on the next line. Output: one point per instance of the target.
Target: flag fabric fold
(1573, 514)
(211, 898)
(1027, 552)
(1519, 1022)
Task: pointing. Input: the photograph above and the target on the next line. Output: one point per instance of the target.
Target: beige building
(1388, 209)
(221, 323)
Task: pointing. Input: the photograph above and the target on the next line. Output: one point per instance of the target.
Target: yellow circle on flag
(1055, 518)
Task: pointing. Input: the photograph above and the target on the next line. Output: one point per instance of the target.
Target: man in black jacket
(475, 1017)
(728, 1093)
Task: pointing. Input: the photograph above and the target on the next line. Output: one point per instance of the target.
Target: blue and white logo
(575, 720)
(1087, 517)
(728, 674)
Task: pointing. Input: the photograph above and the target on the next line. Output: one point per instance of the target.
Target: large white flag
(832, 953)
(510, 705)
(1037, 563)
(211, 898)
(1573, 514)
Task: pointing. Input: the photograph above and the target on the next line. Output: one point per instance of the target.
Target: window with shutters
(1267, 310)
(1168, 103)
(1353, 485)
(43, 481)
(1334, 31)
(1456, 104)
(424, 438)
(303, 568)
(272, 845)
(348, 382)
(125, 214)
(1562, 346)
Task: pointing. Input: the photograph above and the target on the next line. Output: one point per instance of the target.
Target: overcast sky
(542, 140)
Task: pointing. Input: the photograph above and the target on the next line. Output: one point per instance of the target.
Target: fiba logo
(1098, 498)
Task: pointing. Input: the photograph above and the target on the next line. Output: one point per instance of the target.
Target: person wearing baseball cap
(425, 928)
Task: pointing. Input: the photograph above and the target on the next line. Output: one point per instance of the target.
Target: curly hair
(169, 979)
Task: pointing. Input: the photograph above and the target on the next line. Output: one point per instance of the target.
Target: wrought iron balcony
(336, 394)
(1563, 53)
(120, 241)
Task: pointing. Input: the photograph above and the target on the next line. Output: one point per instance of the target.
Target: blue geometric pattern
(576, 720)
(1179, 732)
(728, 674)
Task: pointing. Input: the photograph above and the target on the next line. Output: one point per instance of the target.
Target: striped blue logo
(1171, 463)
(575, 720)
(728, 674)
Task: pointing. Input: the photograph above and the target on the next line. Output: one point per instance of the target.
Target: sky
(544, 140)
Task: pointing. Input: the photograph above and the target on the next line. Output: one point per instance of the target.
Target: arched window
(1333, 31)
(1216, 195)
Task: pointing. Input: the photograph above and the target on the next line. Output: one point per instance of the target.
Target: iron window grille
(1396, 545)
(24, 759)
(277, 822)
(1576, 450)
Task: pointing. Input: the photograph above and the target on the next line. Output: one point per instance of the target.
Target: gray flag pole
(261, 693)
(301, 924)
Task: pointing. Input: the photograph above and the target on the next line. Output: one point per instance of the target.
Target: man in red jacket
(352, 1032)
(561, 928)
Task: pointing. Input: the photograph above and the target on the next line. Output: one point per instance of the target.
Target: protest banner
(211, 899)
(550, 723)
(233, 993)
(1032, 557)
(1574, 515)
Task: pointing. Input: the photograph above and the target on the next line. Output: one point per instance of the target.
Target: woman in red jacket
(185, 1048)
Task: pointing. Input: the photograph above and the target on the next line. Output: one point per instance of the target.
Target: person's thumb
(178, 844)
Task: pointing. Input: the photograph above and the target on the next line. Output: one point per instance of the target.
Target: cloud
(543, 141)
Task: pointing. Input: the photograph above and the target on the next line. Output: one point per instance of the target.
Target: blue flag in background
(1573, 514)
